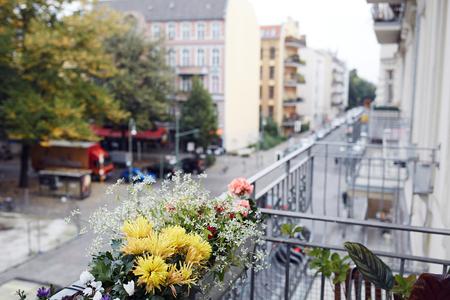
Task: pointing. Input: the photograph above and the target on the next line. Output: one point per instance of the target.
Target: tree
(143, 81)
(49, 65)
(198, 113)
(359, 89)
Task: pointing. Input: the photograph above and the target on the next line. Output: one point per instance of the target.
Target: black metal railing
(289, 276)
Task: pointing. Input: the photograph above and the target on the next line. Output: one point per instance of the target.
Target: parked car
(215, 150)
(168, 169)
(194, 165)
(137, 175)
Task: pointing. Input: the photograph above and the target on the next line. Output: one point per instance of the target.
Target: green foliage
(143, 81)
(48, 68)
(198, 113)
(370, 266)
(404, 285)
(359, 89)
(271, 136)
(21, 294)
(329, 264)
(290, 229)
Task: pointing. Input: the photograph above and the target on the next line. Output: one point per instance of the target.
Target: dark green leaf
(370, 266)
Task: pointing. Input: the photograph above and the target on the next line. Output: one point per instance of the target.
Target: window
(261, 72)
(156, 31)
(186, 83)
(215, 84)
(186, 31)
(260, 95)
(271, 110)
(272, 72)
(200, 31)
(271, 92)
(171, 31)
(216, 31)
(185, 59)
(171, 60)
(215, 57)
(261, 53)
(272, 52)
(200, 57)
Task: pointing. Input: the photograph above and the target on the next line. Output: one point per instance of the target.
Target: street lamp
(131, 132)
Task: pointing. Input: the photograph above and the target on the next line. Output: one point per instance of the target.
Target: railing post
(402, 266)
(288, 262)
(288, 187)
(322, 286)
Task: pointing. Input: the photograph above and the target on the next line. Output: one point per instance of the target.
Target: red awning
(143, 135)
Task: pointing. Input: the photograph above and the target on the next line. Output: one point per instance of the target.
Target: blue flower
(43, 293)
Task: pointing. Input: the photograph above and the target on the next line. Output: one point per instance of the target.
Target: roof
(270, 31)
(172, 10)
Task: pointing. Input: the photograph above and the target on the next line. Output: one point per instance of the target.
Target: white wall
(242, 59)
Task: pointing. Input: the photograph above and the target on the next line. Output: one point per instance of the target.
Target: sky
(342, 26)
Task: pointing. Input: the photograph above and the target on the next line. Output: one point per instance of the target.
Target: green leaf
(370, 266)
(404, 285)
(286, 229)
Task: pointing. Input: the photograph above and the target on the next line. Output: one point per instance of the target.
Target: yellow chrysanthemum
(151, 271)
(176, 236)
(198, 250)
(136, 246)
(159, 246)
(181, 275)
(139, 228)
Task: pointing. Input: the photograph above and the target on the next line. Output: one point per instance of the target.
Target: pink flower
(170, 208)
(244, 203)
(242, 206)
(240, 187)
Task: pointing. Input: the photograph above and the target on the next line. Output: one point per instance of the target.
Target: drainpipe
(416, 50)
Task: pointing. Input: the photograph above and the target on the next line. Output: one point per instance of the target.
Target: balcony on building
(387, 22)
(294, 61)
(291, 120)
(294, 42)
(385, 1)
(191, 70)
(293, 80)
(292, 101)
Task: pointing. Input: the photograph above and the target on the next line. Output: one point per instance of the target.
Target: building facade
(419, 73)
(325, 91)
(280, 75)
(215, 41)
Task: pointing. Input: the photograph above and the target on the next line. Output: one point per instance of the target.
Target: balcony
(295, 42)
(294, 79)
(387, 22)
(292, 121)
(386, 1)
(294, 61)
(191, 70)
(306, 188)
(293, 101)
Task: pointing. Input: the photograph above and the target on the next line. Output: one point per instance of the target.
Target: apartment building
(216, 41)
(415, 77)
(325, 91)
(280, 75)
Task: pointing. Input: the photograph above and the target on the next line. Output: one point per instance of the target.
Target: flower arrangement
(171, 242)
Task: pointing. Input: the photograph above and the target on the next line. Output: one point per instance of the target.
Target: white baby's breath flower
(129, 288)
(86, 277)
(97, 296)
(87, 291)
